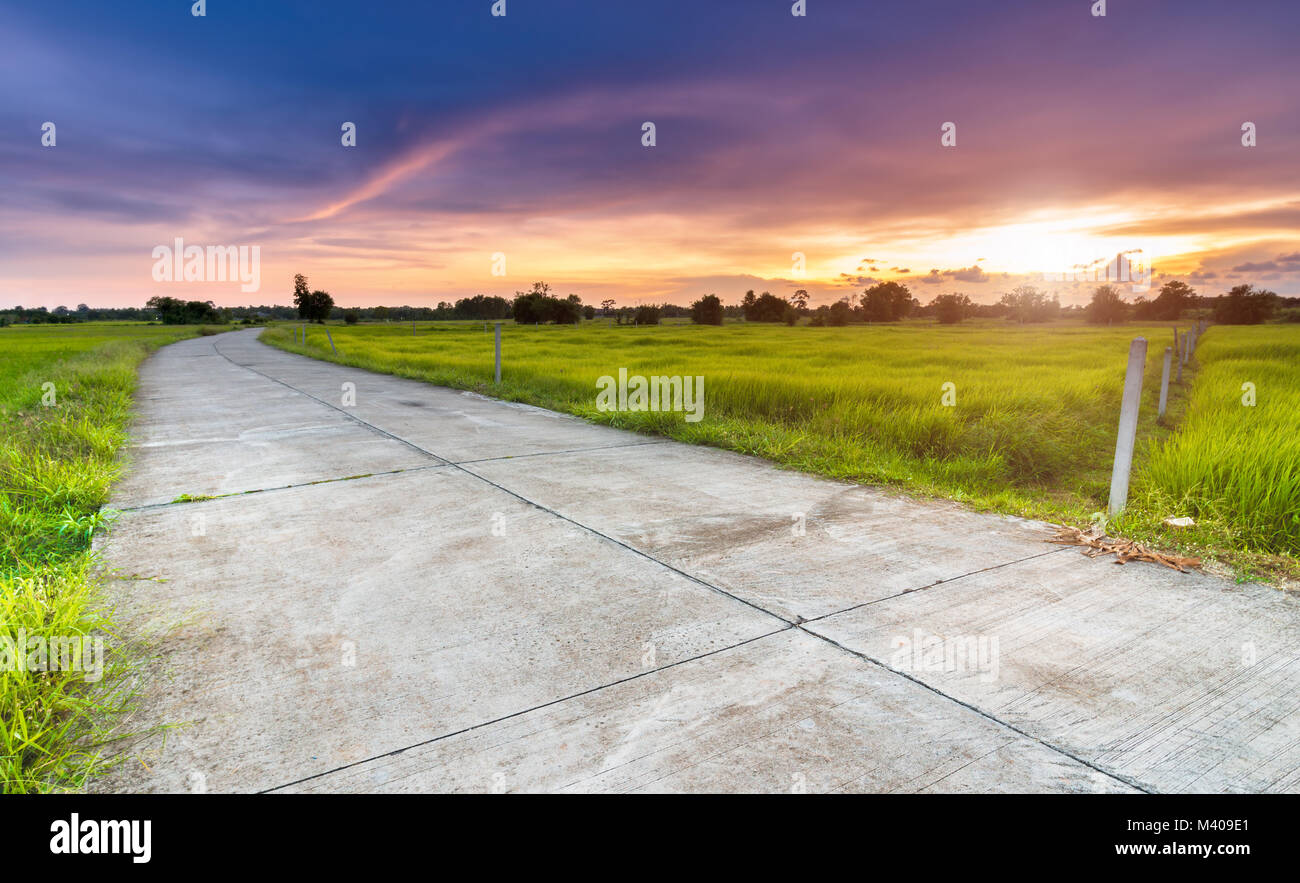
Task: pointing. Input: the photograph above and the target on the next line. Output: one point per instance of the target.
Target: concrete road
(428, 590)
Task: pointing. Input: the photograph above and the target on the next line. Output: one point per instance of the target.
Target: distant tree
(607, 305)
(565, 312)
(646, 315)
(588, 312)
(791, 316)
(318, 306)
(747, 305)
(1107, 306)
(840, 312)
(479, 307)
(1175, 297)
(950, 309)
(799, 300)
(707, 310)
(887, 302)
(537, 306)
(767, 307)
(1245, 305)
(1025, 303)
(351, 317)
(301, 294)
(172, 311)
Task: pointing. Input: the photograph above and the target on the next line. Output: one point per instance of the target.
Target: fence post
(1128, 423)
(330, 337)
(498, 337)
(1164, 382)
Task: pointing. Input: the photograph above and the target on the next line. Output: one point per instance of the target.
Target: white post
(498, 336)
(331, 340)
(1164, 382)
(1128, 424)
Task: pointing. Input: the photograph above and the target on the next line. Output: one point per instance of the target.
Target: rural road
(435, 591)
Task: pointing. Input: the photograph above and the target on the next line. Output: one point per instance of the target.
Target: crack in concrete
(206, 498)
(515, 714)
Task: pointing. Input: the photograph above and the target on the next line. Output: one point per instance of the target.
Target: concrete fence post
(498, 337)
(1176, 352)
(1128, 424)
(1164, 382)
(330, 338)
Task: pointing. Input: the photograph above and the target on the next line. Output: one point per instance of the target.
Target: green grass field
(1032, 432)
(58, 457)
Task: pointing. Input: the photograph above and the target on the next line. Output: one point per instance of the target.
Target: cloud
(974, 273)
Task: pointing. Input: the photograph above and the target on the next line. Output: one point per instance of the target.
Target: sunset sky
(1077, 137)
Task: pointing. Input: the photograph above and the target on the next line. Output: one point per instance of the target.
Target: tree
(840, 312)
(646, 315)
(607, 305)
(351, 317)
(950, 309)
(1175, 296)
(480, 307)
(172, 311)
(767, 308)
(537, 306)
(707, 310)
(887, 302)
(799, 300)
(319, 307)
(747, 304)
(301, 294)
(1025, 303)
(1107, 306)
(1245, 305)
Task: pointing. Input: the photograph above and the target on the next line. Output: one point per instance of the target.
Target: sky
(489, 144)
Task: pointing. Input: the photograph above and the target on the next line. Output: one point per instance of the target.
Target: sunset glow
(783, 136)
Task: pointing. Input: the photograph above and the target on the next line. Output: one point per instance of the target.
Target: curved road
(393, 586)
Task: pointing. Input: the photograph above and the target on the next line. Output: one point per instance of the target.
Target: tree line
(883, 302)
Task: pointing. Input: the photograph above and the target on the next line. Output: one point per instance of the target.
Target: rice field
(65, 395)
(1029, 430)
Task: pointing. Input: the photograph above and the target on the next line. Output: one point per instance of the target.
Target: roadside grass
(1234, 466)
(65, 397)
(1032, 432)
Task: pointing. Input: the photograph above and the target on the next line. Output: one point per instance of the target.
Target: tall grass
(1032, 432)
(1235, 467)
(57, 461)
